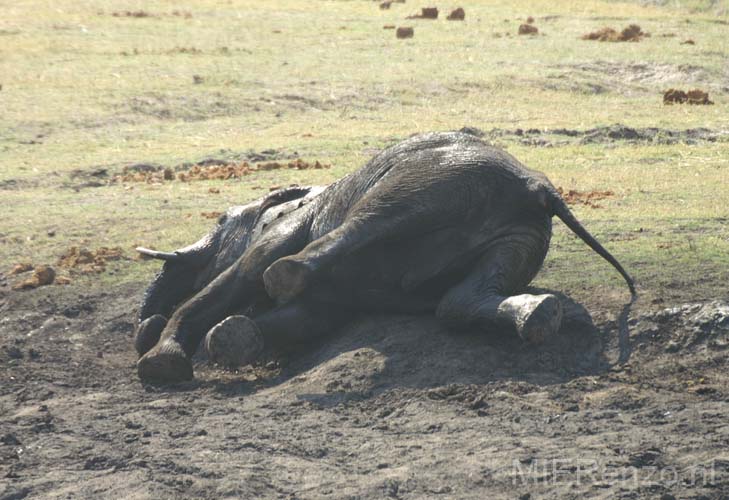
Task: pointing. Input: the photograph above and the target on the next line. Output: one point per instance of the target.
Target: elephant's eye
(280, 214)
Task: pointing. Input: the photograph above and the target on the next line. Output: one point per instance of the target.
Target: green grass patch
(83, 88)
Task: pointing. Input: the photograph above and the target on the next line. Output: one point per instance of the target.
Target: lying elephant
(441, 223)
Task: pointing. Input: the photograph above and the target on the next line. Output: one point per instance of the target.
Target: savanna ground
(389, 407)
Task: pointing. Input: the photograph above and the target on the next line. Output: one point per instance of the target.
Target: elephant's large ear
(281, 196)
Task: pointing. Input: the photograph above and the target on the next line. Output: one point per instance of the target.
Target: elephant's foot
(235, 341)
(286, 278)
(536, 317)
(165, 363)
(148, 333)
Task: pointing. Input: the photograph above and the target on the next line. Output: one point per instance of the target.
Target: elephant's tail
(565, 214)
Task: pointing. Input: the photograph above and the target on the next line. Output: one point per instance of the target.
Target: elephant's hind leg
(485, 295)
(382, 215)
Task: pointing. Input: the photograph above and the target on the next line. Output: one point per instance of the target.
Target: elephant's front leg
(486, 294)
(238, 340)
(235, 288)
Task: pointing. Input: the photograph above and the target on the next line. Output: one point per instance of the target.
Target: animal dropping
(405, 32)
(457, 15)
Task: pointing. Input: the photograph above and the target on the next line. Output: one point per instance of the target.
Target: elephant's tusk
(169, 256)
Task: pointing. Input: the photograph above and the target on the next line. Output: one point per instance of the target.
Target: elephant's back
(458, 164)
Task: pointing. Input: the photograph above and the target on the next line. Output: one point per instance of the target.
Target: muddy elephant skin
(441, 223)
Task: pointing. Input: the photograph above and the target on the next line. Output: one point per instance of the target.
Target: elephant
(441, 223)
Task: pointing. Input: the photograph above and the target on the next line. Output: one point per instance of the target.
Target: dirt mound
(405, 32)
(528, 29)
(212, 170)
(457, 14)
(695, 327)
(42, 276)
(426, 13)
(588, 198)
(379, 353)
(632, 33)
(696, 96)
(85, 261)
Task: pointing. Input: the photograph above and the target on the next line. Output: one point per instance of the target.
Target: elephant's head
(190, 269)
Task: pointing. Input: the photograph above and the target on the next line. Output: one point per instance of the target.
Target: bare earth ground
(390, 407)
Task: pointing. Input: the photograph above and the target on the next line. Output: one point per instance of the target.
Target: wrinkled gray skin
(441, 222)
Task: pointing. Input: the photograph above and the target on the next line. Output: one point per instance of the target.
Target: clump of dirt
(385, 5)
(85, 261)
(530, 20)
(688, 41)
(695, 96)
(457, 15)
(528, 29)
(588, 198)
(42, 276)
(20, 268)
(405, 32)
(389, 27)
(632, 33)
(213, 171)
(426, 13)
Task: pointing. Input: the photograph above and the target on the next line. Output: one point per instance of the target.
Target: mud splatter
(695, 96)
(632, 33)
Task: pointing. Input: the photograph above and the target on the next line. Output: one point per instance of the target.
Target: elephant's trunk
(565, 214)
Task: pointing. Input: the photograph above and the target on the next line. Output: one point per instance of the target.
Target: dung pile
(528, 29)
(632, 33)
(405, 32)
(85, 261)
(587, 198)
(695, 96)
(42, 275)
(218, 171)
(426, 13)
(457, 15)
